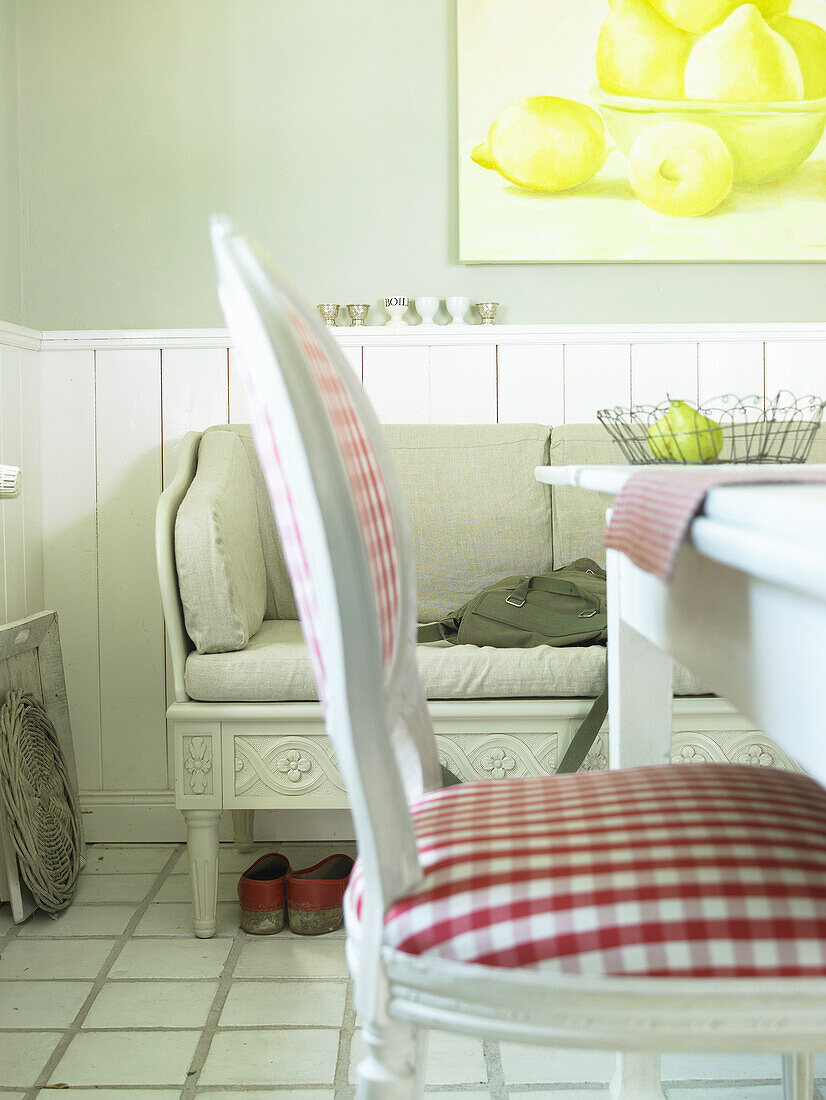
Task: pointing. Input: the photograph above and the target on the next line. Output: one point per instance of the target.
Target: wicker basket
(753, 430)
(41, 809)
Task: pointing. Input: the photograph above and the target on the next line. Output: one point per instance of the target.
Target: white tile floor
(116, 999)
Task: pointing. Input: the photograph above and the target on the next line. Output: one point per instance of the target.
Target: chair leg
(394, 1066)
(242, 821)
(798, 1076)
(202, 847)
(637, 1077)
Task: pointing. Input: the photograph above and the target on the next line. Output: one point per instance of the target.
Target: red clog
(262, 894)
(315, 896)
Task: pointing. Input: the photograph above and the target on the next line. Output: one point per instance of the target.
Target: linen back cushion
(218, 549)
(579, 515)
(280, 602)
(475, 512)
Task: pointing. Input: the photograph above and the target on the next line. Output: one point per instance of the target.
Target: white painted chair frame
(386, 749)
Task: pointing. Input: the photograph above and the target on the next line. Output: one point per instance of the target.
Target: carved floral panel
(198, 773)
(294, 766)
(285, 765)
(497, 756)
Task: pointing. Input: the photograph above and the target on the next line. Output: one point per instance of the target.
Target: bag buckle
(588, 614)
(513, 602)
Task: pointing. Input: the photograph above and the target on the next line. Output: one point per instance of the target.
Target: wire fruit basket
(728, 429)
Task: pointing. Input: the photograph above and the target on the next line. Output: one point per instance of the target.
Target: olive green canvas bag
(566, 607)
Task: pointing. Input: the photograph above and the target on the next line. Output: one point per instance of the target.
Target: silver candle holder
(487, 311)
(358, 315)
(329, 311)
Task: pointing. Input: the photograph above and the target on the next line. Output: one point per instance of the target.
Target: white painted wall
(21, 567)
(114, 406)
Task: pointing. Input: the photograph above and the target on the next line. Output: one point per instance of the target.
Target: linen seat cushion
(707, 870)
(274, 667)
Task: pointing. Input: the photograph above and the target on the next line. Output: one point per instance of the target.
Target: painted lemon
(546, 144)
(680, 168)
(808, 41)
(641, 54)
(744, 61)
(700, 16)
(481, 155)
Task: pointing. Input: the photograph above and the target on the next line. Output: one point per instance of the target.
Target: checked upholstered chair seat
(706, 870)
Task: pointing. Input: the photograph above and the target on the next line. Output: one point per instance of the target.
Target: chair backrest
(342, 526)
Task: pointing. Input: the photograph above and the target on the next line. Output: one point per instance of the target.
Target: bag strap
(448, 778)
(433, 632)
(585, 736)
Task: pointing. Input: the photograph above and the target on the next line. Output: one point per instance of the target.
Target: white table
(745, 611)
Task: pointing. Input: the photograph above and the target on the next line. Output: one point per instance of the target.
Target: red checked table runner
(654, 509)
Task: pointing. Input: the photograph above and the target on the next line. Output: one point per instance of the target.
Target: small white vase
(396, 307)
(457, 307)
(427, 308)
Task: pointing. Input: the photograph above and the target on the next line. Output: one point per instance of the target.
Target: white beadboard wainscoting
(114, 406)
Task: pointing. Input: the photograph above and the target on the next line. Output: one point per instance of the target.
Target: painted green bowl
(767, 141)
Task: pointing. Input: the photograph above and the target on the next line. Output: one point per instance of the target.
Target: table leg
(798, 1076)
(639, 732)
(639, 682)
(637, 1077)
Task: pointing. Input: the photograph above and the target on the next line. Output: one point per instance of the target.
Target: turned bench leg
(202, 847)
(242, 822)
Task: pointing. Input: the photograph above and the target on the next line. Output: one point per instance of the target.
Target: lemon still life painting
(642, 130)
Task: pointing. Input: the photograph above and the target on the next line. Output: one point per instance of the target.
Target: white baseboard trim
(150, 817)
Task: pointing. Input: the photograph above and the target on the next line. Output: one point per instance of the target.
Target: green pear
(700, 16)
(808, 40)
(659, 435)
(641, 54)
(686, 435)
(744, 61)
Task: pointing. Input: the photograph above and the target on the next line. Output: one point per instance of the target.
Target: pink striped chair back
(366, 480)
(342, 525)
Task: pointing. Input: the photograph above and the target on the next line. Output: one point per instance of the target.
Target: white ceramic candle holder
(396, 307)
(427, 308)
(457, 307)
